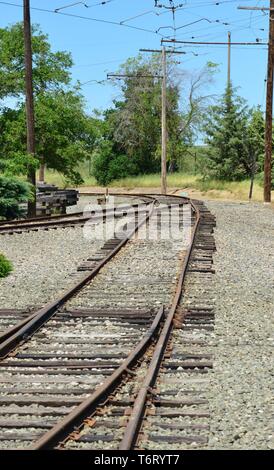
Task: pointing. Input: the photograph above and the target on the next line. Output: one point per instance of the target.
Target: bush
(5, 266)
(12, 193)
(108, 166)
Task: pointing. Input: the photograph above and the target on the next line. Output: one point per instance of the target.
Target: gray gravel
(43, 262)
(241, 396)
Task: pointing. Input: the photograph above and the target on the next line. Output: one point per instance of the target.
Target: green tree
(12, 193)
(65, 135)
(50, 69)
(254, 141)
(227, 135)
(51, 73)
(134, 125)
(109, 166)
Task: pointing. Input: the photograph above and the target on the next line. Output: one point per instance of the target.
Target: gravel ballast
(241, 392)
(44, 263)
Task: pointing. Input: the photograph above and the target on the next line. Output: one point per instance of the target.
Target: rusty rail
(35, 321)
(61, 430)
(8, 227)
(88, 406)
(136, 417)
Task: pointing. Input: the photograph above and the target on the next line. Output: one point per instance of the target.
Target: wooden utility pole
(164, 53)
(269, 98)
(229, 60)
(164, 128)
(29, 103)
(269, 109)
(269, 101)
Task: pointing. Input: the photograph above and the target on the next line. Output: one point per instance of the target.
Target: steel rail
(14, 329)
(43, 315)
(37, 219)
(75, 214)
(68, 219)
(136, 417)
(61, 430)
(89, 405)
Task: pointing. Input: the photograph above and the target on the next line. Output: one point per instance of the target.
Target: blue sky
(98, 47)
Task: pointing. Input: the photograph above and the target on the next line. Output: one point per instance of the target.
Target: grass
(53, 177)
(193, 184)
(176, 180)
(216, 189)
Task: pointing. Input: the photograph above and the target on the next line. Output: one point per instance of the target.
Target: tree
(65, 135)
(226, 133)
(135, 122)
(50, 69)
(108, 166)
(254, 141)
(12, 193)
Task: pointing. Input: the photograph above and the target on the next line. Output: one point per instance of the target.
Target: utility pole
(164, 53)
(122, 75)
(269, 109)
(269, 101)
(29, 103)
(164, 127)
(229, 60)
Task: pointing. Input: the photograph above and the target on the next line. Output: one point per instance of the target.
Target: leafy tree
(12, 193)
(108, 166)
(227, 135)
(65, 136)
(50, 69)
(134, 125)
(51, 73)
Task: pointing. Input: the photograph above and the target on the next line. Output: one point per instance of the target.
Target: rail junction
(104, 365)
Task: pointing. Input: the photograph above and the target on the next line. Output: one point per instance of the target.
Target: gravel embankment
(44, 265)
(241, 392)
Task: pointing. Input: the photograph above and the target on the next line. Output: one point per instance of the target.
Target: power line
(88, 18)
(84, 4)
(99, 82)
(215, 43)
(120, 75)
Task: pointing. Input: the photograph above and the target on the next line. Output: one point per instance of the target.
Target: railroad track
(42, 376)
(68, 220)
(12, 319)
(88, 271)
(133, 408)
